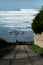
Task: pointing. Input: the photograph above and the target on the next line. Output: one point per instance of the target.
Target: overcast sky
(19, 4)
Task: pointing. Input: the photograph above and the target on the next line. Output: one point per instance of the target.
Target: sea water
(16, 25)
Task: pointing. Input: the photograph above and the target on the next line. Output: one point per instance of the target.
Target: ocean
(16, 25)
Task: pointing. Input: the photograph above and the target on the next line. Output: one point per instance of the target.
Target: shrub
(37, 24)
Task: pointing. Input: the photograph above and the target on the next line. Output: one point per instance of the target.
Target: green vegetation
(23, 42)
(37, 24)
(37, 49)
(5, 47)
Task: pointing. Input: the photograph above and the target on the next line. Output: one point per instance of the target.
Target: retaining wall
(38, 39)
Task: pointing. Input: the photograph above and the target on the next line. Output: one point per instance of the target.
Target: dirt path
(21, 55)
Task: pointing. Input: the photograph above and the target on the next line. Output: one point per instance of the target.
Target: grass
(5, 47)
(5, 50)
(37, 49)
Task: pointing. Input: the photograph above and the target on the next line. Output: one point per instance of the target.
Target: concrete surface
(21, 55)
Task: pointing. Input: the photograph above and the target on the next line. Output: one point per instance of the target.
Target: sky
(20, 4)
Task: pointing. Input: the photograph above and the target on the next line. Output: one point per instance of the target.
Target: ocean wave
(17, 24)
